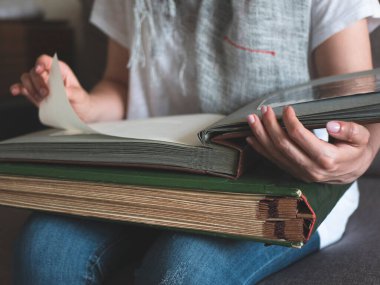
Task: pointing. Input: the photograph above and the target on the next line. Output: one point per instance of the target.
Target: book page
(56, 111)
(181, 129)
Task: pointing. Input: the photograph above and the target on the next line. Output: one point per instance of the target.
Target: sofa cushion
(355, 259)
(374, 169)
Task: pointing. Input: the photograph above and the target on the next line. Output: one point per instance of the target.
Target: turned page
(56, 111)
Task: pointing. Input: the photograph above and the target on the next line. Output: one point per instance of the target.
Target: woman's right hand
(34, 86)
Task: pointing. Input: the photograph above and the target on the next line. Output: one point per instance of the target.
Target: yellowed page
(56, 111)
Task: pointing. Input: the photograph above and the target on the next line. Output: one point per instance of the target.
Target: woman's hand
(34, 85)
(299, 152)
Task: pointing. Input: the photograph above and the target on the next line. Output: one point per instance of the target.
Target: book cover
(275, 208)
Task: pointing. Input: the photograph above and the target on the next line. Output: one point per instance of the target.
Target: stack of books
(147, 171)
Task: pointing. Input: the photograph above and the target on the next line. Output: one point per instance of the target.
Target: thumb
(349, 132)
(44, 62)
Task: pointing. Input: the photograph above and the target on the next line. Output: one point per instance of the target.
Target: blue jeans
(55, 249)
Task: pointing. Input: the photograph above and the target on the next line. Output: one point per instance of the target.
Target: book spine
(277, 208)
(287, 218)
(289, 230)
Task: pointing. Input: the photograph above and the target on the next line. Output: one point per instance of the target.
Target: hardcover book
(266, 206)
(204, 143)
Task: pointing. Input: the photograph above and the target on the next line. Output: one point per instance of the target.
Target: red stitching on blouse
(228, 40)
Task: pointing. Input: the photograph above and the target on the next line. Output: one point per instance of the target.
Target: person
(206, 56)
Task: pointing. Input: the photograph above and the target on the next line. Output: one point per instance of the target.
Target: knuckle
(316, 177)
(300, 162)
(344, 181)
(352, 132)
(281, 143)
(295, 133)
(314, 174)
(327, 163)
(366, 137)
(256, 132)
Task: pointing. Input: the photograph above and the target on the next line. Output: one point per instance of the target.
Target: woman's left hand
(299, 152)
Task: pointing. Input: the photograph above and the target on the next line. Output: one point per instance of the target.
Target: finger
(253, 142)
(317, 149)
(325, 156)
(295, 164)
(260, 133)
(19, 89)
(29, 87)
(286, 165)
(349, 132)
(315, 158)
(30, 98)
(15, 89)
(46, 61)
(282, 141)
(39, 78)
(261, 141)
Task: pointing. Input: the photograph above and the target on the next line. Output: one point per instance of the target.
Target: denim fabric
(54, 249)
(67, 250)
(186, 259)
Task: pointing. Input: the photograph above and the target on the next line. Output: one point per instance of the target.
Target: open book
(206, 143)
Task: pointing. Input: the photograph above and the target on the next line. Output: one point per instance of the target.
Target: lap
(180, 258)
(69, 250)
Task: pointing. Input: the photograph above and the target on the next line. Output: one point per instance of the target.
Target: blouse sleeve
(329, 17)
(114, 18)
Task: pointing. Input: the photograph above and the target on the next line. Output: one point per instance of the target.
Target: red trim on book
(303, 197)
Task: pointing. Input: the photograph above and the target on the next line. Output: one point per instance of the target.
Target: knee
(185, 259)
(51, 250)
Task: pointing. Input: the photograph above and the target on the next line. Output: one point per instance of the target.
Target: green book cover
(266, 181)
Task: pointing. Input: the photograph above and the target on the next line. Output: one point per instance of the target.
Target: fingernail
(251, 119)
(333, 127)
(43, 91)
(264, 109)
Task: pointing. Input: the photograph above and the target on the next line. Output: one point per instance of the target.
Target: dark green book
(267, 205)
